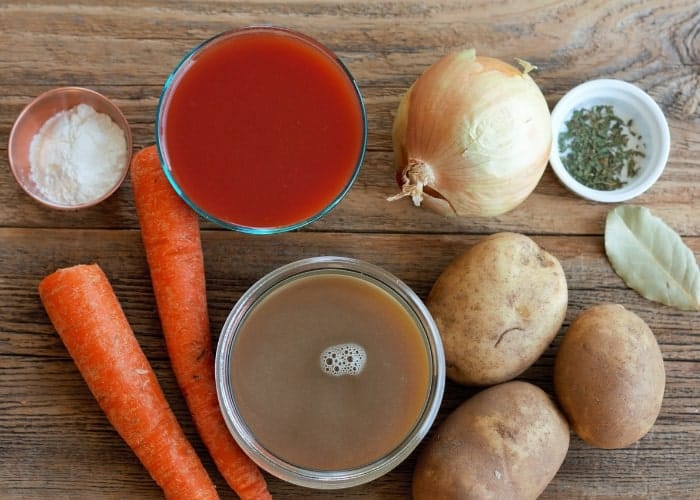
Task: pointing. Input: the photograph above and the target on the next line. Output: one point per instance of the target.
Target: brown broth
(310, 418)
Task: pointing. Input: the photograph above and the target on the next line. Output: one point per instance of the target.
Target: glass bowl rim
(377, 276)
(170, 82)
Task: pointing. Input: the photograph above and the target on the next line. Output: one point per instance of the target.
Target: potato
(498, 306)
(609, 376)
(508, 441)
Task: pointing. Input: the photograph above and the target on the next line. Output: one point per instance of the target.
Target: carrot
(171, 238)
(91, 323)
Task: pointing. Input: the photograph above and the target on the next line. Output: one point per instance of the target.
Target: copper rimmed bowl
(35, 115)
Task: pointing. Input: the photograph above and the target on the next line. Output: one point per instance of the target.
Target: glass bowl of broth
(261, 129)
(330, 371)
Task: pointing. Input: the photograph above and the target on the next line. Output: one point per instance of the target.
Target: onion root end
(416, 176)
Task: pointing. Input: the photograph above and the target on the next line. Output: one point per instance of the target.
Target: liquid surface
(312, 418)
(264, 130)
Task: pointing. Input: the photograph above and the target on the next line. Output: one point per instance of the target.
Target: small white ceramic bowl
(629, 102)
(33, 117)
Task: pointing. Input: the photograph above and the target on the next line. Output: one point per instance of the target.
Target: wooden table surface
(54, 440)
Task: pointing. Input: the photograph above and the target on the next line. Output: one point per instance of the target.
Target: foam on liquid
(343, 359)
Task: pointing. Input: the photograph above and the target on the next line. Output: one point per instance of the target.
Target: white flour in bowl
(77, 156)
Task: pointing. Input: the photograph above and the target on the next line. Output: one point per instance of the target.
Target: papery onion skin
(471, 136)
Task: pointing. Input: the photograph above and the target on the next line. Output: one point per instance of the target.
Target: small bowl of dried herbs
(610, 142)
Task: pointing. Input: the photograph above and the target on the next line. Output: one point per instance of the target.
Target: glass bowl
(628, 102)
(227, 146)
(33, 117)
(427, 344)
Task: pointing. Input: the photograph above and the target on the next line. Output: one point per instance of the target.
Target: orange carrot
(91, 323)
(171, 238)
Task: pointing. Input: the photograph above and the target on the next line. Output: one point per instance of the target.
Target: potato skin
(498, 306)
(609, 376)
(508, 441)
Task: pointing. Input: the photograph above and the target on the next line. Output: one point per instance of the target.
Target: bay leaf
(651, 257)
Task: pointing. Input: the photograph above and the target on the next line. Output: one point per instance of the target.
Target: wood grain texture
(54, 440)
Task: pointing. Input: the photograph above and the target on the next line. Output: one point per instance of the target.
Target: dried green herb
(600, 149)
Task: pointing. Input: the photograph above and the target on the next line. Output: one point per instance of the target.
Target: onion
(471, 136)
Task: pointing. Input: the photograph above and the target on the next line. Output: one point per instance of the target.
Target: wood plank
(551, 209)
(60, 430)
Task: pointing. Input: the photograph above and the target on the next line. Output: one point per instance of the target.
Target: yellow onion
(471, 136)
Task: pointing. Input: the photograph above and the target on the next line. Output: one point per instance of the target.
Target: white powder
(77, 155)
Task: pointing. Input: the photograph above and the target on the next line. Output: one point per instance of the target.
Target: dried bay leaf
(651, 257)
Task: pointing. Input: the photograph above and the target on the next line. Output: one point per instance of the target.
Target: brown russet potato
(609, 376)
(498, 306)
(508, 441)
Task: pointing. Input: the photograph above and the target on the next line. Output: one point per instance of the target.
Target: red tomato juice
(263, 128)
